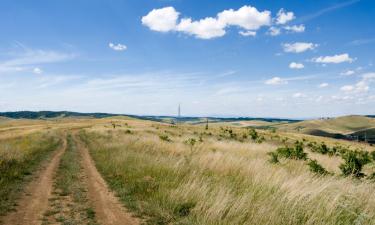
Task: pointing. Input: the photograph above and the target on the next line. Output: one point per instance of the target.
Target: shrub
(164, 138)
(315, 167)
(293, 153)
(253, 134)
(354, 162)
(274, 157)
(373, 155)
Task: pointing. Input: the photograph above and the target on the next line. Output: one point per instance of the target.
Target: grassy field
(340, 125)
(19, 157)
(188, 175)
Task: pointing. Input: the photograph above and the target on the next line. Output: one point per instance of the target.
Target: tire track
(108, 209)
(34, 201)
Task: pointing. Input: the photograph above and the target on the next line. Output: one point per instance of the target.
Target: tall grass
(20, 157)
(222, 182)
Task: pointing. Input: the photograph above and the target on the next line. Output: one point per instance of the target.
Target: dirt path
(35, 199)
(107, 207)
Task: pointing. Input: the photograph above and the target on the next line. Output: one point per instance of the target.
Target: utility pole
(178, 113)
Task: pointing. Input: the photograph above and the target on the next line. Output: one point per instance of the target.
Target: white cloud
(162, 20)
(276, 81)
(205, 29)
(361, 86)
(299, 95)
(368, 76)
(334, 59)
(295, 65)
(29, 57)
(298, 47)
(347, 88)
(247, 17)
(37, 70)
(295, 28)
(323, 85)
(274, 31)
(284, 17)
(347, 73)
(248, 33)
(117, 47)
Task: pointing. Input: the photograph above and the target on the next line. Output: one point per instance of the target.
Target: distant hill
(51, 114)
(165, 119)
(345, 127)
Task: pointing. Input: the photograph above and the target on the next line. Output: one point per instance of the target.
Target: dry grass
(221, 180)
(20, 157)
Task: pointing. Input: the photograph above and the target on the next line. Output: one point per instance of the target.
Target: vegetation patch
(19, 158)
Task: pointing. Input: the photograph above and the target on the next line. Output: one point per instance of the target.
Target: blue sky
(295, 59)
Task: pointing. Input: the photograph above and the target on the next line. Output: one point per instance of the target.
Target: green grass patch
(19, 158)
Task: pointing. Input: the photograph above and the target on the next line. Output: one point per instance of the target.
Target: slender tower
(179, 111)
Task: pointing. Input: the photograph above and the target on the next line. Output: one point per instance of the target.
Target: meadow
(185, 174)
(20, 156)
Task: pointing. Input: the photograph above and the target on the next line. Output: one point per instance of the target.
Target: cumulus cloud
(276, 81)
(37, 70)
(205, 29)
(361, 86)
(117, 47)
(247, 17)
(323, 85)
(274, 31)
(284, 17)
(162, 20)
(298, 47)
(295, 28)
(294, 65)
(248, 33)
(347, 73)
(334, 59)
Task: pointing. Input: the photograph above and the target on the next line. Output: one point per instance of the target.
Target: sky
(254, 58)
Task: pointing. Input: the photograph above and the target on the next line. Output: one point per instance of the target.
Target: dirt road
(107, 207)
(34, 206)
(35, 199)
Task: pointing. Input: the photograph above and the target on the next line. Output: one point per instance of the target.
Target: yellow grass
(227, 181)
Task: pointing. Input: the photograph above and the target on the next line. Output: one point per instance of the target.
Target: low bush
(295, 152)
(354, 162)
(164, 138)
(315, 167)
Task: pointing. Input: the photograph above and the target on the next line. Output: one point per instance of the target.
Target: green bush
(274, 157)
(373, 155)
(253, 134)
(354, 162)
(293, 153)
(164, 138)
(315, 167)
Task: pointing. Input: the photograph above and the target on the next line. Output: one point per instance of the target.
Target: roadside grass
(69, 204)
(220, 180)
(19, 158)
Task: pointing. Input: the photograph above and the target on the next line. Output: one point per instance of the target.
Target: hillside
(340, 127)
